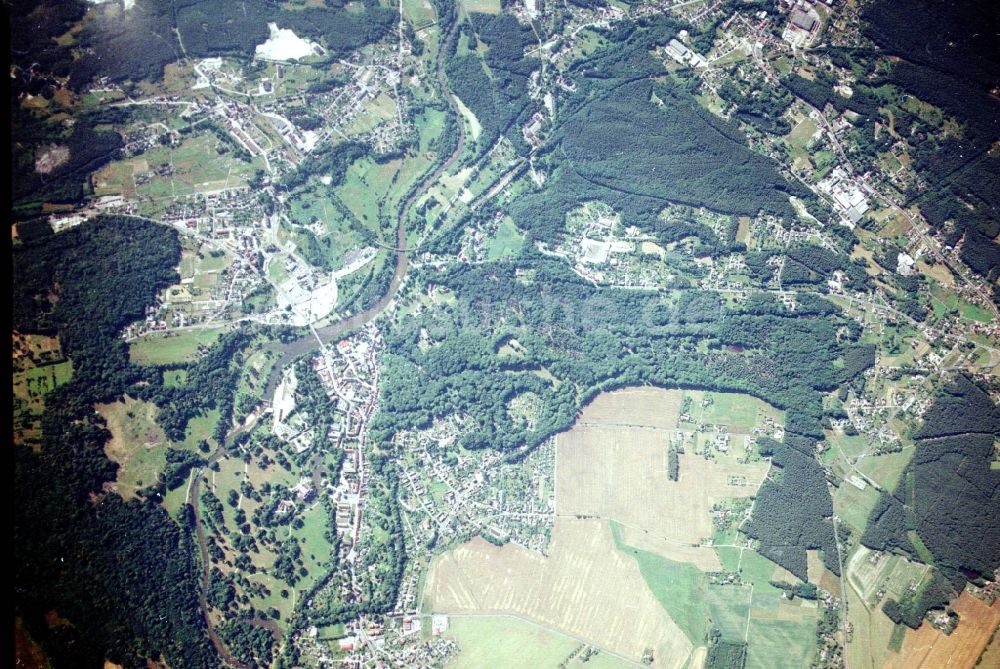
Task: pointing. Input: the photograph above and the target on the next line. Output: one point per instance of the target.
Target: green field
(201, 163)
(780, 644)
(886, 469)
(33, 384)
(162, 349)
(740, 413)
(419, 12)
(487, 641)
(480, 6)
(506, 242)
(853, 506)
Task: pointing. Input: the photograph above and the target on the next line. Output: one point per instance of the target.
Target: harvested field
(927, 648)
(487, 641)
(577, 589)
(621, 473)
(703, 557)
(640, 407)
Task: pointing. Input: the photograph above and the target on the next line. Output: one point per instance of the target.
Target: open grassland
(506, 242)
(137, 443)
(927, 648)
(853, 506)
(419, 12)
(739, 413)
(163, 349)
(886, 469)
(780, 644)
(577, 589)
(487, 641)
(480, 6)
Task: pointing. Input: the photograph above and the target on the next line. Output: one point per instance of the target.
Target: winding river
(292, 350)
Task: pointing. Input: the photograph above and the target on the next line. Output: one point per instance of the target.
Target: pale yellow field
(641, 407)
(611, 465)
(584, 587)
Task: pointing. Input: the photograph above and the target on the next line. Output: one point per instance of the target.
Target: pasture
(480, 6)
(137, 443)
(178, 346)
(505, 242)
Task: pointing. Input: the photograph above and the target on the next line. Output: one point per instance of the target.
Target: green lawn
(162, 349)
(886, 469)
(854, 506)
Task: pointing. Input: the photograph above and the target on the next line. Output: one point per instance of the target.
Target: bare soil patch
(50, 157)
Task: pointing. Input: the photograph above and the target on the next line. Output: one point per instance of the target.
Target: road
(292, 350)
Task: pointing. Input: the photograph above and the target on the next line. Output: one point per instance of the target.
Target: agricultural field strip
(547, 628)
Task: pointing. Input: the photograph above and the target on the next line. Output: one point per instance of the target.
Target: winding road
(292, 350)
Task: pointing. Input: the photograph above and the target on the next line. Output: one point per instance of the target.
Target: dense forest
(950, 496)
(494, 87)
(639, 146)
(596, 339)
(122, 574)
(948, 57)
(793, 508)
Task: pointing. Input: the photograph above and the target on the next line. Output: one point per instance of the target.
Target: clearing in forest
(137, 443)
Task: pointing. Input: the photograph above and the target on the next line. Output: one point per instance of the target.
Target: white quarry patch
(309, 140)
(284, 397)
(283, 44)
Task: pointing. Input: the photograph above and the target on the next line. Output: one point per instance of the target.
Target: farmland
(613, 464)
(928, 648)
(576, 589)
(488, 641)
(617, 513)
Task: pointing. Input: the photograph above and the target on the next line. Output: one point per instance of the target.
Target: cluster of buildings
(850, 196)
(384, 643)
(683, 55)
(349, 373)
(805, 23)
